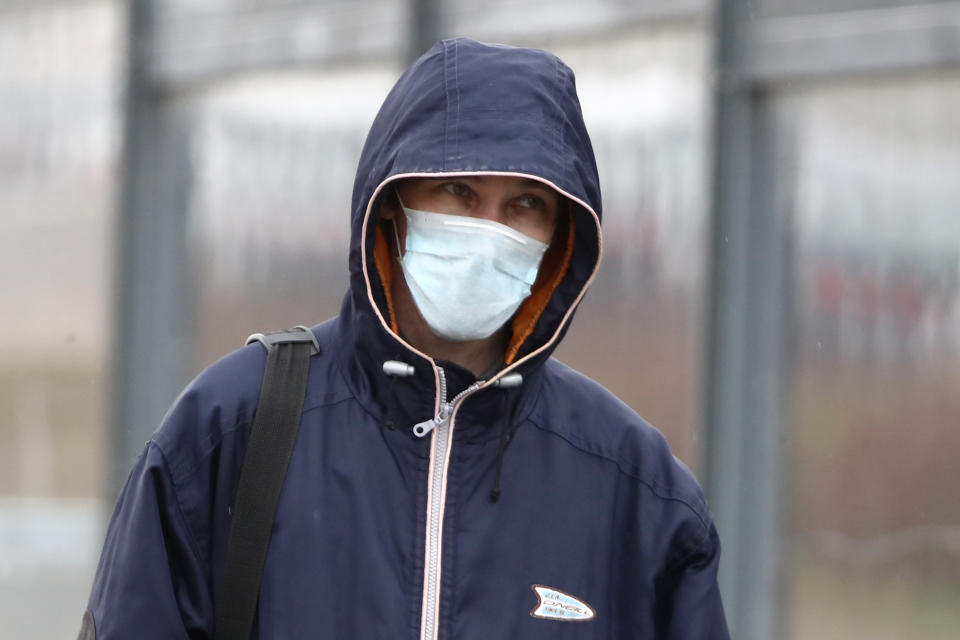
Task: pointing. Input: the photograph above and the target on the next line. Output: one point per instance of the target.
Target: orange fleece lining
(551, 274)
(381, 258)
(552, 271)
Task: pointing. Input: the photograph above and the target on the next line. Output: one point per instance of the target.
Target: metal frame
(748, 270)
(197, 48)
(153, 312)
(194, 47)
(747, 291)
(426, 26)
(890, 39)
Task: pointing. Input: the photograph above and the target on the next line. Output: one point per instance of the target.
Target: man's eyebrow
(529, 183)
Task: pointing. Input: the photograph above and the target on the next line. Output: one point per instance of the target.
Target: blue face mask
(467, 276)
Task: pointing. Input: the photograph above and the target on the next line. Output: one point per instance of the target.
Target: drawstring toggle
(395, 369)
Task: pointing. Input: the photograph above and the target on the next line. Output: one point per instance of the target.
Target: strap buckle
(299, 333)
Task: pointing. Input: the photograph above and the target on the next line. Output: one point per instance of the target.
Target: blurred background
(780, 292)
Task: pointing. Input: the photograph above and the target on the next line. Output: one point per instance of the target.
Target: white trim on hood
(567, 314)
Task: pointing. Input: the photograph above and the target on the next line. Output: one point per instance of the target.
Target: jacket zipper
(441, 426)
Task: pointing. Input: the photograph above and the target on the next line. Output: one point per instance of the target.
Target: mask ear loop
(396, 234)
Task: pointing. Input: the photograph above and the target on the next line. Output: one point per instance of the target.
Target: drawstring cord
(507, 413)
(391, 422)
(505, 383)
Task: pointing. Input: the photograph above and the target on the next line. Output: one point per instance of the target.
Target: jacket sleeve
(151, 581)
(691, 608)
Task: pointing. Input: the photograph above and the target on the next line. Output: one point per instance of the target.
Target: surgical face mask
(467, 276)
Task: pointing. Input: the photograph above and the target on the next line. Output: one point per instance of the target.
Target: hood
(468, 108)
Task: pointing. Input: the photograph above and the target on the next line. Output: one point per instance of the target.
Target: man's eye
(457, 188)
(531, 202)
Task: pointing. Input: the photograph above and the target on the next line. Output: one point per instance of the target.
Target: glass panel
(58, 148)
(873, 437)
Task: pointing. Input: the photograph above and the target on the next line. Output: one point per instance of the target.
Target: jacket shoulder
(222, 400)
(594, 420)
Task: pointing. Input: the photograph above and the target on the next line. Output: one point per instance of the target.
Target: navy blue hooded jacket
(599, 532)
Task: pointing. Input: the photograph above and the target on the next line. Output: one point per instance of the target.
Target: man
(449, 479)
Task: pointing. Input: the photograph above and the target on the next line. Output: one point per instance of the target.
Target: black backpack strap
(269, 448)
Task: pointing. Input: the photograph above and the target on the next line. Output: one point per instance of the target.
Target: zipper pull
(422, 429)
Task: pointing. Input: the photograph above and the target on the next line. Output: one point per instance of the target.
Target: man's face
(525, 205)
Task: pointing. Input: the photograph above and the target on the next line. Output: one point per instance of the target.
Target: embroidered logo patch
(557, 605)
